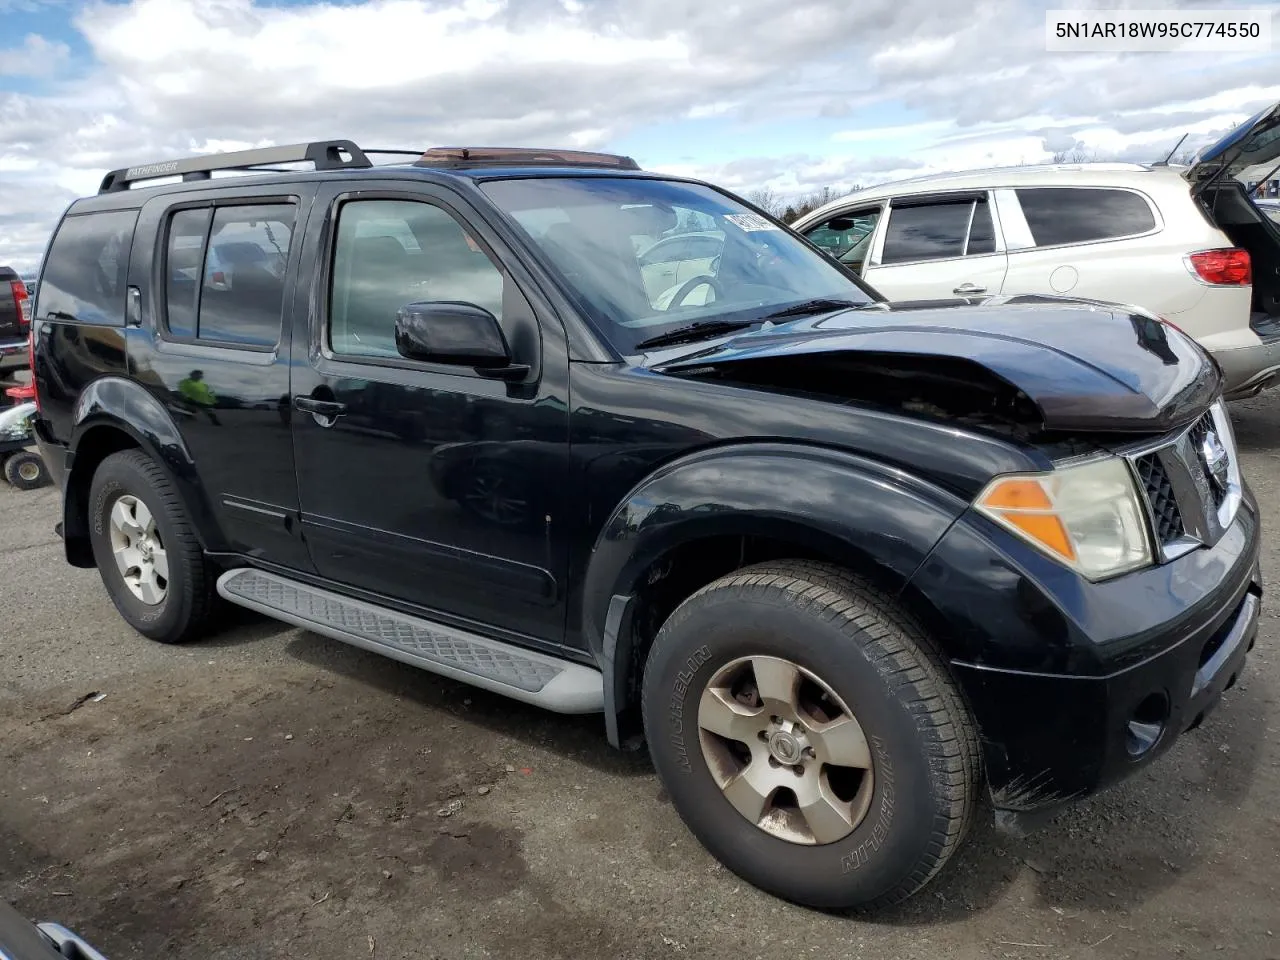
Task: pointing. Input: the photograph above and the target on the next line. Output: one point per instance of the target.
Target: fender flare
(116, 403)
(832, 502)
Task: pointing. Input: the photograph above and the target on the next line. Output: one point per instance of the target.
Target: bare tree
(767, 200)
(1076, 154)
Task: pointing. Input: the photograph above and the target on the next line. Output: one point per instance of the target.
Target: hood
(1069, 365)
(1254, 142)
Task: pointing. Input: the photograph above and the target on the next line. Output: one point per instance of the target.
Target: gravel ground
(270, 793)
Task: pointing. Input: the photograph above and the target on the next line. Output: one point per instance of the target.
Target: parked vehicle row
(845, 565)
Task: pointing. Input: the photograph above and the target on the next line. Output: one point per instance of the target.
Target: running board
(545, 681)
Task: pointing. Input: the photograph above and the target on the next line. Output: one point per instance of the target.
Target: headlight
(1087, 516)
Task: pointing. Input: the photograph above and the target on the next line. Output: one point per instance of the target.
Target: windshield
(649, 256)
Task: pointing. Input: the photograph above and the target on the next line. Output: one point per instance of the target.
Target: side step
(545, 681)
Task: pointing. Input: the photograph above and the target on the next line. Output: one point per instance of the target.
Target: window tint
(982, 233)
(927, 232)
(242, 293)
(85, 274)
(225, 273)
(393, 252)
(1073, 215)
(183, 259)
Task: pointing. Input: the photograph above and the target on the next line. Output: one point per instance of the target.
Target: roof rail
(324, 154)
(521, 156)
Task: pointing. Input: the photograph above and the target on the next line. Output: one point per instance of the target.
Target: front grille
(1165, 514)
(1199, 430)
(1191, 484)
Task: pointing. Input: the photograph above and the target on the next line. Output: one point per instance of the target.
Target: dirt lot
(271, 793)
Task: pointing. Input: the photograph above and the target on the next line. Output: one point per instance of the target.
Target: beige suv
(1186, 243)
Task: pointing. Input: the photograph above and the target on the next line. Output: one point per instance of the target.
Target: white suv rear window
(1063, 215)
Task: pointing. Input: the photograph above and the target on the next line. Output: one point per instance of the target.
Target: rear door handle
(969, 288)
(322, 409)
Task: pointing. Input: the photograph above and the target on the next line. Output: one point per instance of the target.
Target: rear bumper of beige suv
(1249, 369)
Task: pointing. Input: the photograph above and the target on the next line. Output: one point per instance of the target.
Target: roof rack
(455, 157)
(324, 154)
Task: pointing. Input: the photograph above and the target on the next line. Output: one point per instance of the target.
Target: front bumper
(1075, 685)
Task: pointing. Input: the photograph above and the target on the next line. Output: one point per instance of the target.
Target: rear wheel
(810, 737)
(26, 470)
(146, 551)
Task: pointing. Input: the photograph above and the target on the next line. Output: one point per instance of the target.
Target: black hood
(1084, 366)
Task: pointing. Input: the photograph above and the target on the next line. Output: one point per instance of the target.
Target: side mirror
(446, 331)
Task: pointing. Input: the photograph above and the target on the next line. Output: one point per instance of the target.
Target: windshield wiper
(694, 331)
(820, 305)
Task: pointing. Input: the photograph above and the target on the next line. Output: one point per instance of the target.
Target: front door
(938, 248)
(430, 485)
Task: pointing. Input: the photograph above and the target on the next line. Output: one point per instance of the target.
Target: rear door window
(225, 273)
(1067, 215)
(86, 272)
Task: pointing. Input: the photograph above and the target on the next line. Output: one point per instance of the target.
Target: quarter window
(390, 253)
(1062, 215)
(225, 273)
(87, 268)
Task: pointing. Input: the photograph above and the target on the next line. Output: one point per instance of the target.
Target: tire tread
(907, 658)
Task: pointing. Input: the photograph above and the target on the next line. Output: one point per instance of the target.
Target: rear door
(215, 283)
(937, 247)
(1100, 243)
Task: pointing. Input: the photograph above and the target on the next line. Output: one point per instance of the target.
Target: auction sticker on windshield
(750, 222)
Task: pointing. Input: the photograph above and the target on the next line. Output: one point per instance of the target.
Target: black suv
(847, 566)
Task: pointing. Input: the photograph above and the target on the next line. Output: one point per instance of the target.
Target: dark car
(20, 940)
(14, 321)
(845, 565)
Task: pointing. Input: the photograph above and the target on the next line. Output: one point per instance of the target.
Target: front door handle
(324, 411)
(966, 288)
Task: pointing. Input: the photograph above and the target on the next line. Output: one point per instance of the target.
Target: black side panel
(227, 391)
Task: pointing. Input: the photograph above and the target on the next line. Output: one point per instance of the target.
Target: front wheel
(146, 550)
(810, 737)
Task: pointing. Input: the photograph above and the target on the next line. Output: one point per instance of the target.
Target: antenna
(1165, 161)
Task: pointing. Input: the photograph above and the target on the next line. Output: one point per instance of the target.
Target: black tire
(190, 599)
(926, 762)
(26, 470)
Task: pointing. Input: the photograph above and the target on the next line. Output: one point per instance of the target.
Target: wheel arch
(710, 513)
(114, 414)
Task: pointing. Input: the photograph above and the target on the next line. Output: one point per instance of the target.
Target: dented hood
(1085, 366)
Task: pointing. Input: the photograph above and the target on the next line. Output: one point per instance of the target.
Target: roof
(1135, 175)
(129, 187)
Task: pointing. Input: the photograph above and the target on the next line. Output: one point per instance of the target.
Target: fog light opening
(1147, 724)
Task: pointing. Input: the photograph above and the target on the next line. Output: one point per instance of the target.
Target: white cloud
(37, 57)
(972, 84)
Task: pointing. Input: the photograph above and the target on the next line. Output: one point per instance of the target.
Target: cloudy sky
(792, 95)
